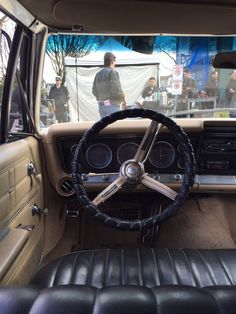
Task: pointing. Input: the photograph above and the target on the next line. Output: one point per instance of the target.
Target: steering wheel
(132, 172)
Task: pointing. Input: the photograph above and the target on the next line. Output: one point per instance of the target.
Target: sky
(48, 72)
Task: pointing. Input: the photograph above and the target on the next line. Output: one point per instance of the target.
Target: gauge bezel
(170, 162)
(179, 165)
(121, 146)
(109, 156)
(179, 149)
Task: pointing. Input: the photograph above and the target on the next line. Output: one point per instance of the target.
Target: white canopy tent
(134, 69)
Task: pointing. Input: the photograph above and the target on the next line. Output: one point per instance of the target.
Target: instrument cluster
(107, 154)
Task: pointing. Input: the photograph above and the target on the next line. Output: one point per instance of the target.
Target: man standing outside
(151, 88)
(211, 88)
(189, 90)
(189, 85)
(107, 88)
(231, 93)
(60, 94)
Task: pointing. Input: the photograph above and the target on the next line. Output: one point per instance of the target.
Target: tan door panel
(19, 191)
(11, 244)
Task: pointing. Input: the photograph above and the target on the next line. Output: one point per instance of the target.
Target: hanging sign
(177, 79)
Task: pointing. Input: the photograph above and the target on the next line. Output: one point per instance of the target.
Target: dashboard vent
(66, 187)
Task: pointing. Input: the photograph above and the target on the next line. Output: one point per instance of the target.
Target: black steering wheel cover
(151, 221)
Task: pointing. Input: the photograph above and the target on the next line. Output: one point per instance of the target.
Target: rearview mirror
(225, 60)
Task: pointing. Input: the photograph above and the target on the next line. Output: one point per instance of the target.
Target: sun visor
(142, 17)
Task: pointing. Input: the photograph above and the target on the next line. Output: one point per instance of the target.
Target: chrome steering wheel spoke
(159, 187)
(147, 142)
(111, 189)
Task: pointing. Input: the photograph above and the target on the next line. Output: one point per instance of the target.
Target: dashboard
(214, 147)
(107, 153)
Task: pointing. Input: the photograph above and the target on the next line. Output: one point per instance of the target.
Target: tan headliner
(137, 16)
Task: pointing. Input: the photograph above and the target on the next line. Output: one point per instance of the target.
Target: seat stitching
(55, 275)
(224, 268)
(74, 266)
(95, 299)
(106, 267)
(204, 262)
(190, 268)
(122, 267)
(140, 270)
(88, 281)
(158, 268)
(158, 309)
(173, 265)
(155, 262)
(36, 297)
(221, 311)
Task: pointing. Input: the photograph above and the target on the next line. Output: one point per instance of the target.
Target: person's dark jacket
(60, 95)
(192, 85)
(148, 91)
(212, 88)
(230, 96)
(106, 86)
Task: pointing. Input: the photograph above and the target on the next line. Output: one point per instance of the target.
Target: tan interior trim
(127, 126)
(10, 246)
(123, 127)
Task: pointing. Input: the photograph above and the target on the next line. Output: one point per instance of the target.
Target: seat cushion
(76, 299)
(146, 267)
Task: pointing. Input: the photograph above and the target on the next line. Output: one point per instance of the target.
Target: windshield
(88, 77)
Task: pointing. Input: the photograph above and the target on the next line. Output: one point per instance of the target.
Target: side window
(15, 123)
(20, 94)
(14, 80)
(6, 35)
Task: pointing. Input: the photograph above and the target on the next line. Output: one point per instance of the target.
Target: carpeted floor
(202, 222)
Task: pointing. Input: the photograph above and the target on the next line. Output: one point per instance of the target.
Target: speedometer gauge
(162, 155)
(126, 151)
(99, 156)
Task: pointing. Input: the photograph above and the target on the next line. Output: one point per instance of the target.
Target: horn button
(132, 171)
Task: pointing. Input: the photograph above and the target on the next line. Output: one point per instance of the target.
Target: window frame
(21, 47)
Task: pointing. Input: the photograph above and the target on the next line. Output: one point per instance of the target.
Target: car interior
(133, 211)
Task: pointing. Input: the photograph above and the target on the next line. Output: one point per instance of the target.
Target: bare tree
(60, 46)
(166, 44)
(6, 33)
(4, 49)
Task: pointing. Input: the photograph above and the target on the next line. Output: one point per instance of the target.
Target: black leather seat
(76, 299)
(139, 281)
(145, 267)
